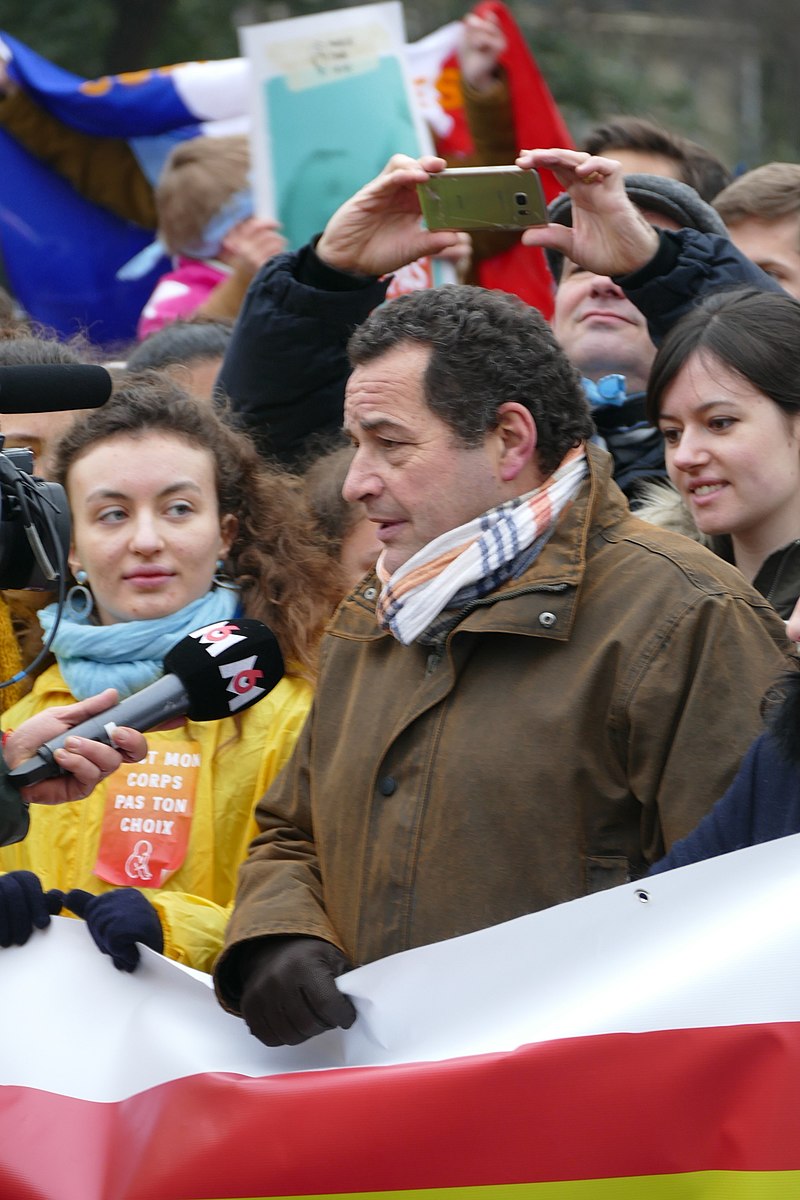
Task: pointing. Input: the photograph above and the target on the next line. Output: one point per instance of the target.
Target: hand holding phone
(472, 198)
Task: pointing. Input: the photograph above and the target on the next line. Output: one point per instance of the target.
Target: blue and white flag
(62, 252)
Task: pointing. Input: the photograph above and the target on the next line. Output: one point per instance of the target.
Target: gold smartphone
(470, 198)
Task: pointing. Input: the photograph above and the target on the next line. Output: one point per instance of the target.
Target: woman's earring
(221, 579)
(79, 601)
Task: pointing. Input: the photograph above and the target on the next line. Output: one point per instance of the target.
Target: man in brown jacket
(535, 696)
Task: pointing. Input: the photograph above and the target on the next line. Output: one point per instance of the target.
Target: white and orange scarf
(469, 562)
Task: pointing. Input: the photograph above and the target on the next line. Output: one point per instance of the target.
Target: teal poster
(331, 103)
(329, 139)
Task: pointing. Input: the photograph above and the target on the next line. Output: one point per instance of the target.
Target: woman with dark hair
(176, 524)
(725, 393)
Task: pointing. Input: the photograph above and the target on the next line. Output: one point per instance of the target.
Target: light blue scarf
(129, 654)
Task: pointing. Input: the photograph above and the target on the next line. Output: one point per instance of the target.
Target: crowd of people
(533, 582)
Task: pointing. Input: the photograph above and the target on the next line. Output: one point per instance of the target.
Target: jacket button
(387, 786)
(547, 619)
(370, 593)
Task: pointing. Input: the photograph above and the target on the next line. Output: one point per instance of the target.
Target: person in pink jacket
(206, 222)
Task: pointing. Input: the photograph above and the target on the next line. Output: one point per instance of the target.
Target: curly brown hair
(487, 347)
(278, 558)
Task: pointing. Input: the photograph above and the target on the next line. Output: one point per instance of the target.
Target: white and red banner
(640, 1044)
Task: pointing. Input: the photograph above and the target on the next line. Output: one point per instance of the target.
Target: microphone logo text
(218, 637)
(243, 677)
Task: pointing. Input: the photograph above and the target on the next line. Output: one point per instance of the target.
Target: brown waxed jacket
(577, 722)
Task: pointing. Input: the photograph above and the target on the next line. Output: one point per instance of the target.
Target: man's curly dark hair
(488, 348)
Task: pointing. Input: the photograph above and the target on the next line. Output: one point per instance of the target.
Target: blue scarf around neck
(128, 655)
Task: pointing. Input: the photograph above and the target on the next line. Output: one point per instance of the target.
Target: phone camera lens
(521, 199)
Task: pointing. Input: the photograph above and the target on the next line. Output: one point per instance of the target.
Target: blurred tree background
(718, 72)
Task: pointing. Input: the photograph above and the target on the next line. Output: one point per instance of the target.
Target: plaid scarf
(467, 563)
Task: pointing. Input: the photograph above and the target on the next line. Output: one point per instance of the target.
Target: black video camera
(34, 525)
(34, 515)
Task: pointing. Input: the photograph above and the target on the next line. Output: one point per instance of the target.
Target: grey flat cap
(655, 193)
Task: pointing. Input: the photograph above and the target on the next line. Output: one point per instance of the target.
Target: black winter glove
(117, 921)
(289, 993)
(24, 907)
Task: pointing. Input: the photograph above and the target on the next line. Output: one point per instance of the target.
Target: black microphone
(212, 673)
(53, 387)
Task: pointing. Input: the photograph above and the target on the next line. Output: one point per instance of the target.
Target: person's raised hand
(481, 44)
(253, 242)
(86, 762)
(609, 235)
(379, 229)
(290, 991)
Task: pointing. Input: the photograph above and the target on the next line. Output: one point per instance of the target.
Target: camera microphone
(214, 672)
(53, 387)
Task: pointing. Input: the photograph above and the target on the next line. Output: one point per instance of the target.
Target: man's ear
(516, 430)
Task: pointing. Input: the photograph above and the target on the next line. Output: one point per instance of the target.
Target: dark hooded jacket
(688, 266)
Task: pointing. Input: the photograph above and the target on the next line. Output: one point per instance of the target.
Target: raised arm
(609, 235)
(378, 230)
(663, 272)
(286, 367)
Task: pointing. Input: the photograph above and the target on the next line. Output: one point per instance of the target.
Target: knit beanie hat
(654, 193)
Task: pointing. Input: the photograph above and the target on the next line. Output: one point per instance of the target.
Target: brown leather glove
(289, 992)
